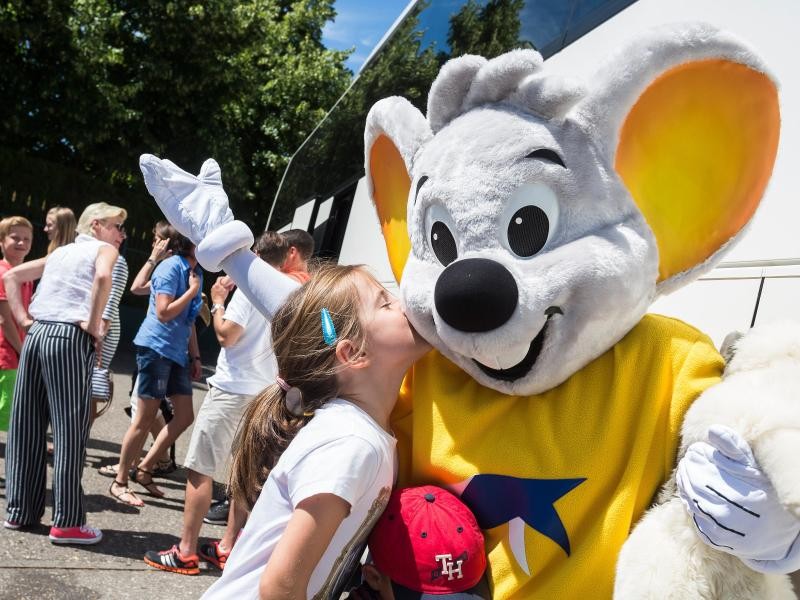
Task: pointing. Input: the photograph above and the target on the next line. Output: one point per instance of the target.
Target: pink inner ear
(391, 184)
(696, 152)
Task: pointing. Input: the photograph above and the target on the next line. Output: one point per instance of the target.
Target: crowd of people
(60, 376)
(336, 351)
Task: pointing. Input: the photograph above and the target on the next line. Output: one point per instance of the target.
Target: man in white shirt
(245, 366)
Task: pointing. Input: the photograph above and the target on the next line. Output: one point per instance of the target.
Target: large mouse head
(534, 222)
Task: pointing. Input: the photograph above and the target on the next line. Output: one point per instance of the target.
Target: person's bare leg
(184, 415)
(133, 442)
(158, 425)
(237, 517)
(198, 500)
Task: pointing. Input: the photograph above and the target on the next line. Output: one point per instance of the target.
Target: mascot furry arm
(570, 211)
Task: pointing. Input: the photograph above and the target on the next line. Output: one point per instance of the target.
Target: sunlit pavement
(32, 567)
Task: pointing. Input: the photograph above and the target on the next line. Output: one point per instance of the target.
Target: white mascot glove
(197, 206)
(734, 505)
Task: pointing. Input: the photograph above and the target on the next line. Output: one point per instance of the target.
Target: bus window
(431, 33)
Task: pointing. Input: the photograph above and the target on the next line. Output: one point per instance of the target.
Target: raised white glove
(197, 206)
(734, 506)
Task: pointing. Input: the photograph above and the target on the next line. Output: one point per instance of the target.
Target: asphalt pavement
(33, 568)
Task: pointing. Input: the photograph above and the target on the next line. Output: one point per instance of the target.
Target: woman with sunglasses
(53, 386)
(110, 228)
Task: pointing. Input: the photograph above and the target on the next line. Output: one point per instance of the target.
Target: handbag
(102, 388)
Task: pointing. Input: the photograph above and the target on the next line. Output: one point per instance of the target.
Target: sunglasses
(120, 227)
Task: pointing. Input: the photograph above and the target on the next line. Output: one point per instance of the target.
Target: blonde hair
(64, 219)
(99, 211)
(9, 222)
(306, 362)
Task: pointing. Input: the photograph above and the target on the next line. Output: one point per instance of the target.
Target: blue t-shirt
(171, 339)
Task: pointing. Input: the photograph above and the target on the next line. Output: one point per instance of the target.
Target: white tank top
(65, 290)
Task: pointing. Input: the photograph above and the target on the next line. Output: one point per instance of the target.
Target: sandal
(133, 500)
(147, 484)
(109, 471)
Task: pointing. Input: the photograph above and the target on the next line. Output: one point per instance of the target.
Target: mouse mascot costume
(531, 222)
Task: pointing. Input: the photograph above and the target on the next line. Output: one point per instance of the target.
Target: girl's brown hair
(306, 362)
(66, 225)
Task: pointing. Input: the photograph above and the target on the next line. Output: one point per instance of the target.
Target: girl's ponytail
(265, 431)
(304, 334)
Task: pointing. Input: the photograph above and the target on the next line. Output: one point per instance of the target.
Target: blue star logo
(499, 499)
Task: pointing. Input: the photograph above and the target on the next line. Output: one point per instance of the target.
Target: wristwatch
(216, 307)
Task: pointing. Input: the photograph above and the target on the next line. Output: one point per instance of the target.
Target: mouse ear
(690, 119)
(394, 132)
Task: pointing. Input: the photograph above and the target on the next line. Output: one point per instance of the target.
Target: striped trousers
(53, 386)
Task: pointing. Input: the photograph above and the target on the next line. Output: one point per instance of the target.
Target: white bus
(323, 189)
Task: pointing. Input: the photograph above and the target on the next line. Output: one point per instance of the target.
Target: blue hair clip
(328, 330)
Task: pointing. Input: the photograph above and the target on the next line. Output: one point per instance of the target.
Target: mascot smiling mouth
(524, 366)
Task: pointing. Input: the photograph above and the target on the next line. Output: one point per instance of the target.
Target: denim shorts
(160, 377)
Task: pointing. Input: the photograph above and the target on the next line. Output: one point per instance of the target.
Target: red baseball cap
(428, 541)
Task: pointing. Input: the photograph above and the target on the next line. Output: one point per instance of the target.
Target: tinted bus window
(331, 160)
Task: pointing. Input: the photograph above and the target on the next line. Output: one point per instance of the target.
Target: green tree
(488, 29)
(91, 84)
(403, 65)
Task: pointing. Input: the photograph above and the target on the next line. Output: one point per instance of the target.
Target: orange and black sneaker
(171, 560)
(212, 553)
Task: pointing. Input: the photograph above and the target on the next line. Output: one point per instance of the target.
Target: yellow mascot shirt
(557, 480)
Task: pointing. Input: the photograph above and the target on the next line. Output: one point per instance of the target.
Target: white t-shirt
(340, 451)
(248, 366)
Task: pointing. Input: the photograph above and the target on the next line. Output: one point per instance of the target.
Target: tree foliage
(405, 65)
(485, 28)
(91, 84)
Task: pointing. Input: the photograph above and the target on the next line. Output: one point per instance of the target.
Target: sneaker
(171, 560)
(75, 535)
(218, 513)
(212, 553)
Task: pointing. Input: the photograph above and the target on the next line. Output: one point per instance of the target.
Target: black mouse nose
(476, 295)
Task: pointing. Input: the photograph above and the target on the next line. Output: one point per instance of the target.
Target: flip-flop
(125, 491)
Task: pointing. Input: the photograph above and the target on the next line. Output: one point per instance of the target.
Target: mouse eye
(529, 220)
(528, 230)
(443, 243)
(439, 230)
